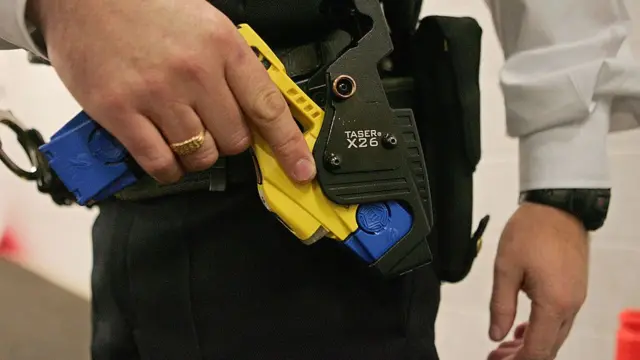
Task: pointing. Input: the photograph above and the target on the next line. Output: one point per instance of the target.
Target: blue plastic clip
(381, 226)
(89, 161)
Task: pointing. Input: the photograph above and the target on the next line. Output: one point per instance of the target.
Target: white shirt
(569, 79)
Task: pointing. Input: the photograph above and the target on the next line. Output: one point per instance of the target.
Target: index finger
(266, 108)
(542, 333)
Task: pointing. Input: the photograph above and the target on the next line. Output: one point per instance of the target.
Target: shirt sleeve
(15, 32)
(568, 70)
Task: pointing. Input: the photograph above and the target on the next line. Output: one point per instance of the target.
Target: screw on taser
(333, 161)
(344, 87)
(389, 141)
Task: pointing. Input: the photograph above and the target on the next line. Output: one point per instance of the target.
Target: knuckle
(269, 105)
(237, 54)
(227, 38)
(237, 145)
(566, 305)
(219, 35)
(202, 160)
(160, 167)
(190, 65)
(286, 146)
(152, 86)
(110, 99)
(579, 302)
(565, 301)
(502, 269)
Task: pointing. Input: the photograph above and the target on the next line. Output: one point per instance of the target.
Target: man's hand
(544, 252)
(160, 72)
(508, 349)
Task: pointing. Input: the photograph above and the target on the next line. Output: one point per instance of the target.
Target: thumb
(504, 300)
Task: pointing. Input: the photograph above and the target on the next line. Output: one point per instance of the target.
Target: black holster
(446, 65)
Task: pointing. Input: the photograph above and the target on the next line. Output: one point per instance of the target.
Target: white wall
(57, 240)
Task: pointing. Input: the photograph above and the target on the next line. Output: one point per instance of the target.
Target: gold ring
(190, 146)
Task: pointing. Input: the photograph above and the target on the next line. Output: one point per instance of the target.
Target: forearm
(555, 53)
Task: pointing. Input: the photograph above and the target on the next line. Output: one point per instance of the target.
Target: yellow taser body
(303, 208)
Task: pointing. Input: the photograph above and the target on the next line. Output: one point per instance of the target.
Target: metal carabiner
(30, 140)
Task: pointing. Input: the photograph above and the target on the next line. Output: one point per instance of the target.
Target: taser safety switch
(371, 192)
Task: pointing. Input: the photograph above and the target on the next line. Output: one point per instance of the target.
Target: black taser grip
(392, 167)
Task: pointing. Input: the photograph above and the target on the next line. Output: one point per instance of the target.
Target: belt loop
(218, 175)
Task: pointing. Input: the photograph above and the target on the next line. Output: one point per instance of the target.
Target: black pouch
(446, 67)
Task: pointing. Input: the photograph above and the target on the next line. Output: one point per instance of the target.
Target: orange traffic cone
(629, 336)
(9, 244)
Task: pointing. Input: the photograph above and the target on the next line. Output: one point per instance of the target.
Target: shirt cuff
(14, 27)
(572, 156)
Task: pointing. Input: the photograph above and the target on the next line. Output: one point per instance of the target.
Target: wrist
(43, 14)
(543, 213)
(589, 206)
(34, 12)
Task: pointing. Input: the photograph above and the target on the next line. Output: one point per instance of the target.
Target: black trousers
(215, 276)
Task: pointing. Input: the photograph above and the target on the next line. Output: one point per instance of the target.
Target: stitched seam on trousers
(130, 314)
(192, 322)
(408, 312)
